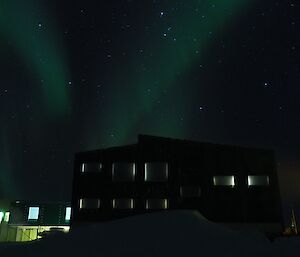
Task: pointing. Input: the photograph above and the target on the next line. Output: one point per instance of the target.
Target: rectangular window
(6, 216)
(258, 180)
(1, 216)
(33, 213)
(156, 171)
(90, 167)
(123, 171)
(190, 191)
(224, 181)
(88, 203)
(157, 204)
(123, 203)
(68, 214)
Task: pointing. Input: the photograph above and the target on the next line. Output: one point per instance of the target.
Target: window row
(126, 171)
(128, 203)
(33, 213)
(252, 180)
(159, 171)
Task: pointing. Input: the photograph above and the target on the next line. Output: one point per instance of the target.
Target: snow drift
(168, 233)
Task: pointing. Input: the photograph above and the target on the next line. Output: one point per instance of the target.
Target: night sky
(81, 75)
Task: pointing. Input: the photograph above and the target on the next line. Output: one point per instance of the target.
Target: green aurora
(42, 52)
(137, 86)
(135, 92)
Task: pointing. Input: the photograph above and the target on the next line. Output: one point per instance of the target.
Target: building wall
(190, 165)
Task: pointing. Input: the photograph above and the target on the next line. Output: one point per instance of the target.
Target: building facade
(227, 184)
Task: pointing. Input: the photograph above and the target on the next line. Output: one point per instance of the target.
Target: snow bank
(172, 233)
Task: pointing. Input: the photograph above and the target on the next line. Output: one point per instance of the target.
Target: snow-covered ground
(172, 233)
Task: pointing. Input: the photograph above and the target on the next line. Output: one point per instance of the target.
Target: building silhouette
(234, 185)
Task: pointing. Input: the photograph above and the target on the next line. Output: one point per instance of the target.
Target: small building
(27, 221)
(234, 185)
(4, 218)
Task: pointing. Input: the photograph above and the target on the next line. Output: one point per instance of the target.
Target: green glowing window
(224, 181)
(33, 213)
(1, 216)
(68, 214)
(6, 216)
(258, 180)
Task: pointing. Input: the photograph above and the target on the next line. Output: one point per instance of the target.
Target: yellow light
(131, 204)
(166, 203)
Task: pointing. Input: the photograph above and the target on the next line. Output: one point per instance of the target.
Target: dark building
(227, 184)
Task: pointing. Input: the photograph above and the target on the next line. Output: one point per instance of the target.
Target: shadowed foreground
(172, 233)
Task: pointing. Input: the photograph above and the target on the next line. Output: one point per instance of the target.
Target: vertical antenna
(294, 223)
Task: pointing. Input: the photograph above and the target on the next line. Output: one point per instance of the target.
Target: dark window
(123, 171)
(157, 204)
(156, 171)
(190, 191)
(89, 203)
(88, 167)
(123, 203)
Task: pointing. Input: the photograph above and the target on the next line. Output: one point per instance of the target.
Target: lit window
(190, 191)
(224, 181)
(1, 216)
(88, 203)
(123, 171)
(6, 216)
(123, 203)
(33, 213)
(258, 181)
(68, 214)
(157, 204)
(156, 171)
(91, 167)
